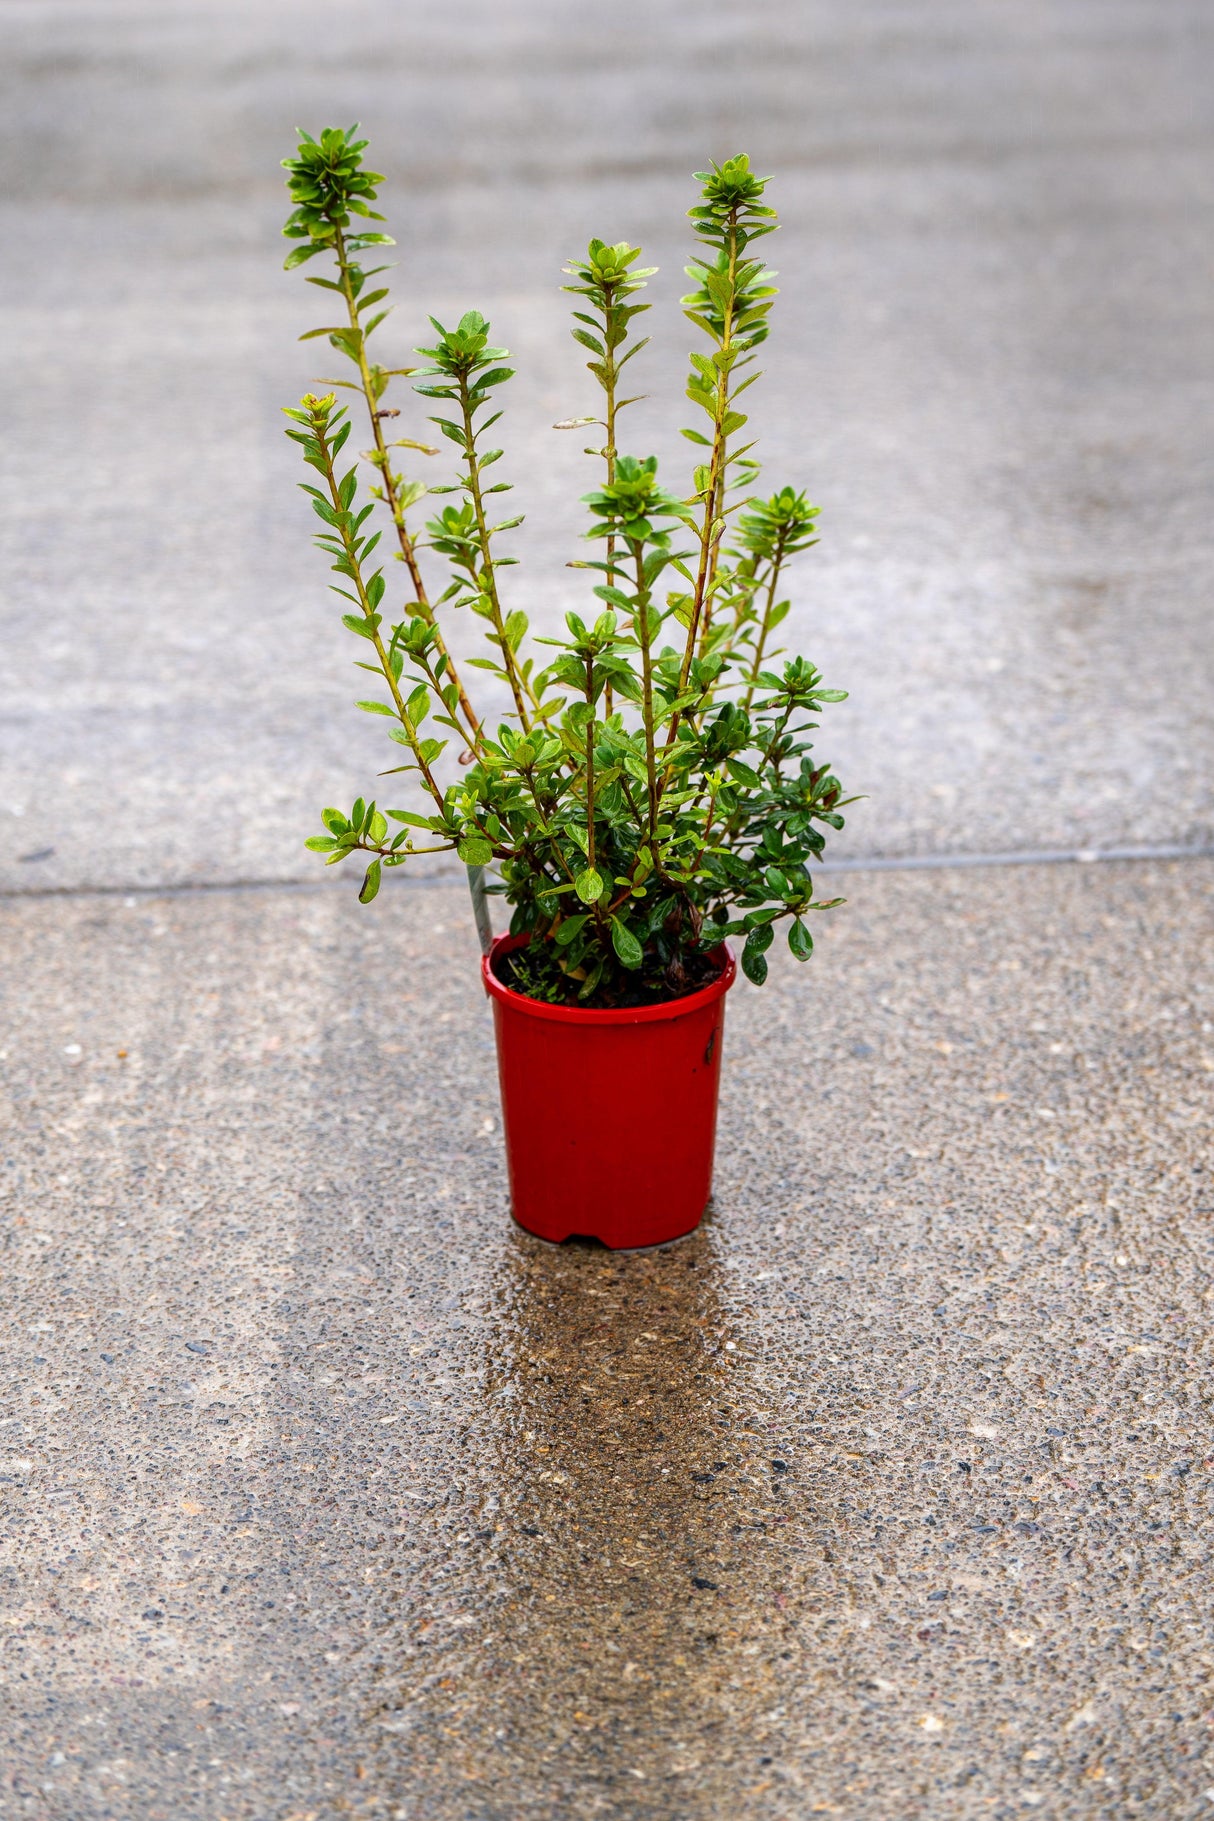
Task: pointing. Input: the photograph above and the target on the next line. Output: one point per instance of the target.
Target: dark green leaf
(626, 945)
(754, 965)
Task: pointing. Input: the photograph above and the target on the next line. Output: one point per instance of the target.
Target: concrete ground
(990, 367)
(888, 1493)
(326, 1492)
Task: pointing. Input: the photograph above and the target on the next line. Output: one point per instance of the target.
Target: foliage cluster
(653, 787)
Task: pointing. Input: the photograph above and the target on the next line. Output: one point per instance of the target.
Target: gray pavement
(991, 369)
(888, 1493)
(324, 1491)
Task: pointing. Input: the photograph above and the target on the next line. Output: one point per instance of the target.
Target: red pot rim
(579, 1014)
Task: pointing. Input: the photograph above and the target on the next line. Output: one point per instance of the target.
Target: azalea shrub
(653, 787)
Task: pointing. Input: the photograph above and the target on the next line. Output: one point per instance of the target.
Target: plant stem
(488, 577)
(346, 534)
(641, 623)
(710, 535)
(776, 565)
(590, 762)
(610, 450)
(710, 532)
(389, 481)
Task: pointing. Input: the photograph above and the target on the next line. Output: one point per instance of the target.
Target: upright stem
(590, 762)
(385, 663)
(710, 535)
(776, 564)
(389, 481)
(488, 576)
(610, 452)
(710, 532)
(641, 622)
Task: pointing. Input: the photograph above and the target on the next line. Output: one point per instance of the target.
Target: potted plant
(651, 790)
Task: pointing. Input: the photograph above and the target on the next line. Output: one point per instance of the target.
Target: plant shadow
(602, 1472)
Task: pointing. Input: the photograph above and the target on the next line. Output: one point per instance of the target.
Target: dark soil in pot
(536, 972)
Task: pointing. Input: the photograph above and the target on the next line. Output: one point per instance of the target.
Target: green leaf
(754, 965)
(800, 941)
(592, 979)
(321, 844)
(590, 888)
(570, 930)
(516, 626)
(496, 376)
(376, 708)
(407, 816)
(626, 945)
(370, 884)
(754, 961)
(474, 850)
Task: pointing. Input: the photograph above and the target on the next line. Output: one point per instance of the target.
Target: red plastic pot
(610, 1116)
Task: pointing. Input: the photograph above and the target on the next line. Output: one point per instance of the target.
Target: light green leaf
(800, 941)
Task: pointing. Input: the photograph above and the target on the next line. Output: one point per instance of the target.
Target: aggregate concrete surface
(325, 1491)
(887, 1493)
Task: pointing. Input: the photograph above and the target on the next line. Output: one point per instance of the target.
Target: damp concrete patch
(326, 1491)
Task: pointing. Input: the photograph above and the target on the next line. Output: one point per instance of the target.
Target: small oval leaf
(754, 966)
(626, 945)
(589, 886)
(800, 941)
(474, 850)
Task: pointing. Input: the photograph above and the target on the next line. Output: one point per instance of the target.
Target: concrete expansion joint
(869, 863)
